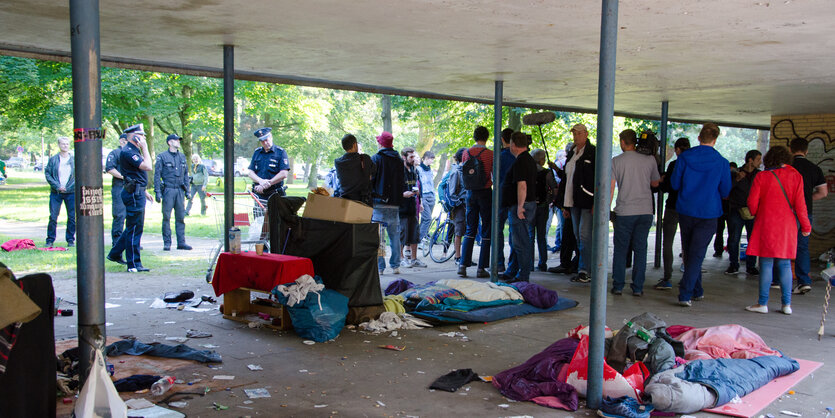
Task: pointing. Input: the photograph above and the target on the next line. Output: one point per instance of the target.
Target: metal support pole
(495, 249)
(659, 217)
(228, 141)
(87, 139)
(602, 201)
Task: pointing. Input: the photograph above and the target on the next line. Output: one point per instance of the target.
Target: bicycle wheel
(441, 248)
(433, 227)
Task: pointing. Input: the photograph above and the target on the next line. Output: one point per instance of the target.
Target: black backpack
(473, 172)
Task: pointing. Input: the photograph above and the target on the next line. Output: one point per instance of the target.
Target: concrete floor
(352, 377)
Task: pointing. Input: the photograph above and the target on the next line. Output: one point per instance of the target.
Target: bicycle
(441, 241)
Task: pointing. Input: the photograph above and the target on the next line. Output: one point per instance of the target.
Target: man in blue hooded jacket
(702, 178)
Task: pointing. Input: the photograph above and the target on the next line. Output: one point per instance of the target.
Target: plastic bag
(98, 397)
(615, 385)
(320, 317)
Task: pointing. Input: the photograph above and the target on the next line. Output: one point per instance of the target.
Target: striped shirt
(486, 159)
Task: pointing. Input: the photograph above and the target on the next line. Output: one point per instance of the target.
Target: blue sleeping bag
(732, 377)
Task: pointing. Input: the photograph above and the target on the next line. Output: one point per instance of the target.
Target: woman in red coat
(778, 217)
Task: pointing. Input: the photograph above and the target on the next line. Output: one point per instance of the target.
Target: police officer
(269, 166)
(170, 188)
(134, 162)
(116, 186)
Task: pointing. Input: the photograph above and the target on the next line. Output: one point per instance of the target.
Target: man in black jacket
(388, 189)
(354, 171)
(737, 205)
(579, 196)
(670, 223)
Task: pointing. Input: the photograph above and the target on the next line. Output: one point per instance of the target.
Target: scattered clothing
(26, 244)
(452, 381)
(398, 286)
(543, 375)
(482, 291)
(297, 292)
(394, 303)
(181, 351)
(668, 392)
(390, 321)
(724, 341)
(135, 382)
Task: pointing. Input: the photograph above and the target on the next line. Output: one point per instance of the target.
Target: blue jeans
(558, 237)
(118, 212)
(479, 205)
(390, 218)
(802, 263)
(784, 268)
(581, 220)
(538, 232)
(630, 230)
(55, 201)
(134, 226)
(520, 266)
(696, 234)
(735, 224)
(427, 204)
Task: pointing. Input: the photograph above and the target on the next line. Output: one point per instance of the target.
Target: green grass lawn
(25, 198)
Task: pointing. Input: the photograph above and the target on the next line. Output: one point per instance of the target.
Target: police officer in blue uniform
(111, 166)
(134, 162)
(269, 167)
(170, 188)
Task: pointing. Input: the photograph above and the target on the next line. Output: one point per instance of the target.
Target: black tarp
(344, 255)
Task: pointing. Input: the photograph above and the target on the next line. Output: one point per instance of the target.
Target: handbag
(787, 199)
(745, 214)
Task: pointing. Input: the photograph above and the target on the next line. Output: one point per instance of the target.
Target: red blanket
(26, 244)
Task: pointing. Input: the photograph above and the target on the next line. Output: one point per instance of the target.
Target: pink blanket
(724, 341)
(26, 244)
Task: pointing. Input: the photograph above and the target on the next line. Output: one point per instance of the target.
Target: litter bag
(320, 316)
(98, 397)
(615, 385)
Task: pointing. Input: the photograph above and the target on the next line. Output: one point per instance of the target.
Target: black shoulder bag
(787, 199)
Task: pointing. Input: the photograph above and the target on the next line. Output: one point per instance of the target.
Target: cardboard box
(336, 209)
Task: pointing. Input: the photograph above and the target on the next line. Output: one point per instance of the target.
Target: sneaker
(681, 268)
(758, 308)
(685, 303)
(753, 271)
(786, 309)
(457, 260)
(70, 244)
(395, 270)
(559, 270)
(406, 263)
(418, 263)
(623, 407)
(462, 271)
(801, 289)
(482, 274)
(732, 271)
(616, 292)
(582, 277)
(138, 269)
(699, 298)
(637, 294)
(663, 285)
(166, 248)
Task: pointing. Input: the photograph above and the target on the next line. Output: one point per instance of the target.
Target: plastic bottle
(641, 332)
(161, 386)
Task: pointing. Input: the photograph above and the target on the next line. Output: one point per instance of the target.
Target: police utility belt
(130, 185)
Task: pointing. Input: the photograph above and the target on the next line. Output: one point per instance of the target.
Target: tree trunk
(515, 120)
(312, 180)
(441, 169)
(149, 138)
(185, 114)
(385, 102)
(290, 176)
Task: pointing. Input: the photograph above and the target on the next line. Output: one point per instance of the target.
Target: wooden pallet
(238, 306)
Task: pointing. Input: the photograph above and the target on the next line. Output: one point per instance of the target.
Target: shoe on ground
(558, 270)
(462, 271)
(685, 303)
(623, 407)
(786, 309)
(138, 269)
(699, 298)
(753, 271)
(166, 248)
(681, 268)
(482, 274)
(757, 308)
(418, 263)
(70, 244)
(406, 263)
(663, 285)
(801, 289)
(395, 270)
(187, 214)
(616, 292)
(48, 244)
(457, 260)
(638, 294)
(775, 285)
(119, 260)
(582, 277)
(732, 271)
(382, 271)
(184, 247)
(141, 248)
(717, 254)
(505, 278)
(543, 267)
(501, 267)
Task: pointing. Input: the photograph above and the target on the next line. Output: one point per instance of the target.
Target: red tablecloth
(262, 272)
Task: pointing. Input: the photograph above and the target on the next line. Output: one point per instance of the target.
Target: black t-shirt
(523, 169)
(812, 177)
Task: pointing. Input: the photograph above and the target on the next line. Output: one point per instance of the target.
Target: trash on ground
(209, 346)
(309, 342)
(319, 406)
(392, 347)
(138, 403)
(254, 367)
(303, 371)
(380, 403)
(177, 339)
(110, 305)
(504, 406)
(790, 413)
(178, 404)
(192, 333)
(223, 377)
(219, 407)
(257, 393)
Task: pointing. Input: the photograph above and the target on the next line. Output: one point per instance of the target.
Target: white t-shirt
(64, 170)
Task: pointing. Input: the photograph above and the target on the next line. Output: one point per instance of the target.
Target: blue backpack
(447, 199)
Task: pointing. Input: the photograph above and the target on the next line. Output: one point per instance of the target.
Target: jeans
(538, 230)
(502, 220)
(802, 263)
(197, 190)
(555, 211)
(55, 201)
(669, 227)
(134, 226)
(784, 268)
(118, 212)
(735, 224)
(427, 204)
(479, 205)
(390, 217)
(581, 220)
(519, 268)
(695, 237)
(632, 230)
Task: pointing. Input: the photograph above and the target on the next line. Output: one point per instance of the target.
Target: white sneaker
(418, 263)
(787, 309)
(382, 271)
(406, 263)
(395, 270)
(758, 308)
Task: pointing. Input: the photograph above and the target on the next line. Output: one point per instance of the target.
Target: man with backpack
(452, 195)
(477, 175)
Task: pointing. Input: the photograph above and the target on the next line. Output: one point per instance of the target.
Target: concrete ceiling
(737, 62)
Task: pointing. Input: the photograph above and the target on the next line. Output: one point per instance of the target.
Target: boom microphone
(540, 118)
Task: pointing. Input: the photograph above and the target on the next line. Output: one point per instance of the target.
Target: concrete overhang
(736, 62)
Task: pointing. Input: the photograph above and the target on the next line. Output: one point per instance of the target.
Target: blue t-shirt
(129, 160)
